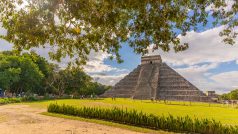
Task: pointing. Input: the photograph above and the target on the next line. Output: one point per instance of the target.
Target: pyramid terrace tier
(180, 92)
(185, 98)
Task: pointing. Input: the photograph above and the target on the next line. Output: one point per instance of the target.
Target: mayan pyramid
(155, 79)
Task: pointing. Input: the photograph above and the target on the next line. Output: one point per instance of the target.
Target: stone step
(163, 93)
(170, 76)
(184, 98)
(176, 88)
(123, 85)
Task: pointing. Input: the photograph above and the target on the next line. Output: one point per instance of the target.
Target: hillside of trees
(28, 73)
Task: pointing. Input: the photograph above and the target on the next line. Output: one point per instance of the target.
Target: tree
(233, 95)
(75, 27)
(76, 80)
(9, 76)
(28, 72)
(73, 81)
(46, 68)
(19, 73)
(97, 88)
(57, 83)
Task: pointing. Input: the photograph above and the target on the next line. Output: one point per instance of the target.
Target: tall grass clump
(140, 119)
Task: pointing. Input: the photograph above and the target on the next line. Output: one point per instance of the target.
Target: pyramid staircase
(147, 82)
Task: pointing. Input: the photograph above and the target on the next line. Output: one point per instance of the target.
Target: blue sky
(208, 63)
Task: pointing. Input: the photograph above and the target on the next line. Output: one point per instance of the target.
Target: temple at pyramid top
(151, 59)
(155, 79)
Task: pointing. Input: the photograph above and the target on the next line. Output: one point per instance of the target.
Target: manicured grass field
(226, 114)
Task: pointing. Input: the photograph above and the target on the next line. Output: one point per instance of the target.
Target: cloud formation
(96, 63)
(204, 47)
(226, 79)
(206, 52)
(108, 79)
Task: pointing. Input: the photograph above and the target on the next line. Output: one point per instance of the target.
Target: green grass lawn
(225, 114)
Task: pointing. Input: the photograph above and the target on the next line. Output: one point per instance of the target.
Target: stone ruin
(154, 79)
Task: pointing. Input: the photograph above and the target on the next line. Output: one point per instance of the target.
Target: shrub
(10, 100)
(135, 118)
(29, 98)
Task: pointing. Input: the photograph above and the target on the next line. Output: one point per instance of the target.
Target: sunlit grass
(225, 114)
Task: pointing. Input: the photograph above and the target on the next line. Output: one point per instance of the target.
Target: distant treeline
(29, 73)
(233, 95)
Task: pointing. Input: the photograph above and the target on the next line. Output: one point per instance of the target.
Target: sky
(208, 63)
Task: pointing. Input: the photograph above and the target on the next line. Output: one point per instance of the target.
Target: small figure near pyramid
(154, 79)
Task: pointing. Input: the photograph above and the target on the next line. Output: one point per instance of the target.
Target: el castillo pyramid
(155, 79)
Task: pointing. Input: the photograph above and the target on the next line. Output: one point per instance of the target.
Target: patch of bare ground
(23, 119)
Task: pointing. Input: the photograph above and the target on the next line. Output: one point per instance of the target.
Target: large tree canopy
(75, 27)
(31, 73)
(19, 73)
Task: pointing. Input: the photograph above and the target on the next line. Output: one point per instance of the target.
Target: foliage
(95, 88)
(32, 74)
(10, 100)
(46, 68)
(76, 82)
(77, 27)
(233, 95)
(19, 73)
(29, 99)
(133, 117)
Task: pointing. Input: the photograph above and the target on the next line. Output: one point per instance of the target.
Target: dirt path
(22, 119)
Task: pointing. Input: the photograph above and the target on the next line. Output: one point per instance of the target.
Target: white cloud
(228, 7)
(96, 63)
(5, 46)
(102, 72)
(108, 79)
(206, 46)
(226, 80)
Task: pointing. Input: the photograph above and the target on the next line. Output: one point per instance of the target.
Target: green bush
(135, 118)
(29, 98)
(10, 100)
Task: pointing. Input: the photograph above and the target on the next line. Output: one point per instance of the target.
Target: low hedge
(135, 118)
(10, 100)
